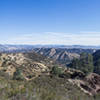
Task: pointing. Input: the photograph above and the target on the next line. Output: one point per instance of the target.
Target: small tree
(18, 75)
(56, 70)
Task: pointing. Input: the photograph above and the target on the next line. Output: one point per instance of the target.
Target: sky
(67, 22)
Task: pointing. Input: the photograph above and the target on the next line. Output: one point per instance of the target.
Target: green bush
(18, 75)
(56, 70)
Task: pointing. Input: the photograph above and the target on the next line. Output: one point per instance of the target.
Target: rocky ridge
(30, 68)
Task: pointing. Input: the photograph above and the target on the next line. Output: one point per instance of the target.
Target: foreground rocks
(89, 85)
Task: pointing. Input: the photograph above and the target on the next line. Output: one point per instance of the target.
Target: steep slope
(89, 84)
(60, 55)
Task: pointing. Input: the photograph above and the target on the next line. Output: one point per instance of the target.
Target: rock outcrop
(30, 64)
(89, 85)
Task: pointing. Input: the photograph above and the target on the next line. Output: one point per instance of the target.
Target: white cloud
(82, 38)
(90, 32)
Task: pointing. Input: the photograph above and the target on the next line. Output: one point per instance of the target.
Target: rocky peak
(52, 52)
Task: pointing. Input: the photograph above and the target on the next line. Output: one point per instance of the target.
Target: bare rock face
(61, 55)
(93, 81)
(52, 52)
(89, 85)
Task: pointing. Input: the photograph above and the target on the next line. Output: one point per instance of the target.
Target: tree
(56, 70)
(90, 65)
(75, 63)
(85, 63)
(97, 67)
(18, 75)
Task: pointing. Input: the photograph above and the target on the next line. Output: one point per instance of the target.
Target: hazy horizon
(46, 22)
(50, 45)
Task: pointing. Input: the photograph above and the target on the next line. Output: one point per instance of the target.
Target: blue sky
(66, 22)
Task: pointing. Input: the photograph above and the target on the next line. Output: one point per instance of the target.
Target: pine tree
(97, 67)
(85, 63)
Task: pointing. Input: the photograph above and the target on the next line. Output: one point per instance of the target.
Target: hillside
(63, 56)
(30, 64)
(47, 87)
(29, 76)
(41, 88)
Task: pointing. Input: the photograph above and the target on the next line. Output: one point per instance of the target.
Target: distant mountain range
(60, 53)
(8, 47)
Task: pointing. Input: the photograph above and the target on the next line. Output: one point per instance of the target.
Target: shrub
(56, 70)
(18, 75)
